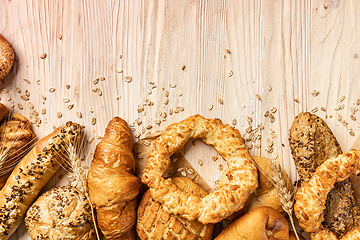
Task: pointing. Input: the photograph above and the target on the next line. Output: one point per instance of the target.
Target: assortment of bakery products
(3, 111)
(31, 174)
(156, 223)
(227, 141)
(113, 187)
(7, 56)
(312, 142)
(60, 213)
(15, 141)
(259, 224)
(267, 192)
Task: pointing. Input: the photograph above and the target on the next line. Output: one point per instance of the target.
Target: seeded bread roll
(112, 184)
(7, 56)
(15, 141)
(31, 174)
(312, 142)
(154, 222)
(60, 213)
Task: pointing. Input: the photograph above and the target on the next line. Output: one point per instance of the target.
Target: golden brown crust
(112, 183)
(260, 223)
(15, 138)
(311, 197)
(60, 213)
(3, 111)
(7, 56)
(155, 223)
(216, 206)
(31, 174)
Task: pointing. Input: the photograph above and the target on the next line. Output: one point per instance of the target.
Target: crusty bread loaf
(312, 142)
(261, 224)
(266, 194)
(112, 184)
(31, 174)
(60, 213)
(7, 56)
(15, 141)
(3, 111)
(155, 223)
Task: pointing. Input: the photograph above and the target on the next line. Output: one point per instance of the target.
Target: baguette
(31, 174)
(3, 111)
(113, 187)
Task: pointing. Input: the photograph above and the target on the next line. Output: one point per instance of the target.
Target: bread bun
(15, 141)
(7, 56)
(266, 194)
(61, 213)
(259, 224)
(156, 223)
(3, 111)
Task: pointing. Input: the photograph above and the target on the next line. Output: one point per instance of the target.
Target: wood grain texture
(296, 47)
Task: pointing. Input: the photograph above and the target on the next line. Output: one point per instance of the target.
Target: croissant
(112, 184)
(15, 141)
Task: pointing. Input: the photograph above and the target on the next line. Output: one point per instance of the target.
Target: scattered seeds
(26, 80)
(137, 135)
(323, 109)
(18, 90)
(96, 81)
(52, 90)
(66, 100)
(43, 55)
(99, 92)
(70, 106)
(221, 101)
(166, 93)
(315, 93)
(220, 167)
(59, 114)
(140, 109)
(24, 97)
(230, 73)
(93, 121)
(67, 86)
(353, 117)
(148, 126)
(314, 110)
(269, 88)
(183, 67)
(4, 91)
(43, 111)
(190, 171)
(8, 99)
(258, 97)
(43, 97)
(273, 110)
(59, 36)
(20, 106)
(342, 98)
(170, 111)
(234, 121)
(31, 106)
(200, 162)
(102, 78)
(79, 114)
(339, 107)
(210, 106)
(166, 101)
(296, 100)
(172, 85)
(157, 121)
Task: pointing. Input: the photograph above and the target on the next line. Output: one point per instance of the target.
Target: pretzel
(311, 196)
(229, 197)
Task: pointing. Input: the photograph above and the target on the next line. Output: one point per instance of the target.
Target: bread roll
(312, 142)
(31, 174)
(156, 223)
(3, 111)
(7, 56)
(262, 223)
(112, 183)
(15, 141)
(60, 213)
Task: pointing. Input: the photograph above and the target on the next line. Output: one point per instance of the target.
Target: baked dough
(227, 141)
(311, 196)
(7, 56)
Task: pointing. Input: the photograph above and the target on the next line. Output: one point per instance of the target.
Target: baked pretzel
(311, 196)
(229, 197)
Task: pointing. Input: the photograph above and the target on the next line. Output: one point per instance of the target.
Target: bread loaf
(312, 142)
(60, 213)
(31, 174)
(155, 223)
(16, 139)
(7, 56)
(112, 184)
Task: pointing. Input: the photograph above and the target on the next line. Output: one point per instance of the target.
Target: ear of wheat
(277, 179)
(76, 172)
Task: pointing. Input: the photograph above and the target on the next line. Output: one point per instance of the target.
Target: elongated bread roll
(31, 174)
(3, 111)
(112, 184)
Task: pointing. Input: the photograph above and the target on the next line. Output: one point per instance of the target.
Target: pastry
(227, 141)
(7, 56)
(113, 187)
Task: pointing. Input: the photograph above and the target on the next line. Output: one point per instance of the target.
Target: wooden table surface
(228, 59)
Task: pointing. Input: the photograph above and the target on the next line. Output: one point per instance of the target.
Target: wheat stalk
(76, 173)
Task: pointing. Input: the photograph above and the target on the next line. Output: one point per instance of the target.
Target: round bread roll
(7, 56)
(156, 223)
(266, 194)
(61, 213)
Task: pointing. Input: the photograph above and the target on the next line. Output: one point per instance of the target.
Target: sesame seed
(93, 121)
(59, 114)
(102, 78)
(170, 111)
(24, 97)
(43, 97)
(269, 88)
(172, 85)
(228, 51)
(323, 109)
(4, 91)
(352, 133)
(128, 79)
(52, 90)
(138, 121)
(296, 100)
(66, 100)
(59, 36)
(220, 167)
(342, 98)
(210, 106)
(31, 106)
(99, 92)
(91, 139)
(179, 94)
(166, 101)
(137, 135)
(149, 91)
(339, 117)
(119, 71)
(8, 99)
(353, 117)
(148, 126)
(94, 89)
(140, 109)
(70, 106)
(67, 86)
(146, 143)
(339, 107)
(96, 81)
(166, 93)
(157, 121)
(190, 171)
(230, 73)
(314, 110)
(273, 110)
(43, 55)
